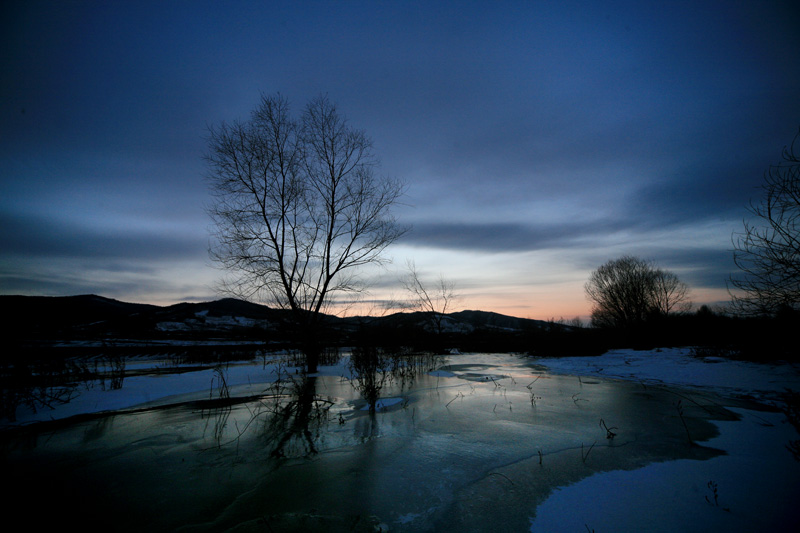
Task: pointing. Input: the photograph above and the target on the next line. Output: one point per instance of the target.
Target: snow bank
(754, 487)
(757, 487)
(676, 366)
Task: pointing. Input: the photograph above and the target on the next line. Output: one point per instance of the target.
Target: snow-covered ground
(754, 487)
(757, 488)
(677, 366)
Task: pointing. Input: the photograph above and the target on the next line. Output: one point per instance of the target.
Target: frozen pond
(476, 444)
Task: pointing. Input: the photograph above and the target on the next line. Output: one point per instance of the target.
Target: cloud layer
(534, 137)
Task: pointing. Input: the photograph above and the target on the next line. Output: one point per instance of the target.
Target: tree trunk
(312, 350)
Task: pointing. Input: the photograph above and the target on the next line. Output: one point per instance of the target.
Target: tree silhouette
(768, 250)
(628, 291)
(298, 209)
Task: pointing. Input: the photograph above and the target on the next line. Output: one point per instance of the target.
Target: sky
(537, 140)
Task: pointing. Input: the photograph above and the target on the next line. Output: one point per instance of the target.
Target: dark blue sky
(537, 139)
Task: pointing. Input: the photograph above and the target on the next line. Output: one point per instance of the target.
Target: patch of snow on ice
(408, 518)
(676, 366)
(383, 403)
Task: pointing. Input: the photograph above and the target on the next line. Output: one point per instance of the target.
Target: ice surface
(485, 442)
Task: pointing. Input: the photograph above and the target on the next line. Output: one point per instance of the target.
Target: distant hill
(69, 309)
(46, 317)
(92, 316)
(37, 318)
(463, 321)
(489, 320)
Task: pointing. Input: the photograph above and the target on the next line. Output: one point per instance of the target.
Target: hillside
(38, 319)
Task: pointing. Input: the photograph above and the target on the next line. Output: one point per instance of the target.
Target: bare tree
(298, 209)
(669, 293)
(768, 250)
(435, 301)
(628, 291)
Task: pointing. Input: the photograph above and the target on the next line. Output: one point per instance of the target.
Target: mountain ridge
(51, 316)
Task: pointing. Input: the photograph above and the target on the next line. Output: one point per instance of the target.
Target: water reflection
(217, 421)
(479, 443)
(371, 367)
(374, 368)
(300, 415)
(296, 417)
(366, 428)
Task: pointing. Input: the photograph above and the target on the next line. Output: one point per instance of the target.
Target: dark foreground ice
(475, 446)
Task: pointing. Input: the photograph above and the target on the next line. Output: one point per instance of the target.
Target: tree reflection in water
(370, 368)
(296, 418)
(375, 368)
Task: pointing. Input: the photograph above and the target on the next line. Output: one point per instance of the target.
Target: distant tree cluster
(768, 250)
(629, 291)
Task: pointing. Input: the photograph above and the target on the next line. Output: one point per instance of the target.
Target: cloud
(699, 267)
(504, 237)
(71, 279)
(539, 130)
(43, 237)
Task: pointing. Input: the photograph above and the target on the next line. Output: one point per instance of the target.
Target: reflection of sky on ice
(458, 447)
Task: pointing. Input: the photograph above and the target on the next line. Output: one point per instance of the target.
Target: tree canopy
(628, 291)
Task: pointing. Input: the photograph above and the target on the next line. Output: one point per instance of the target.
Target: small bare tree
(768, 250)
(298, 209)
(628, 291)
(435, 301)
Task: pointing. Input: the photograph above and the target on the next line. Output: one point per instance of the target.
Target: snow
(678, 495)
(242, 379)
(757, 482)
(384, 403)
(677, 366)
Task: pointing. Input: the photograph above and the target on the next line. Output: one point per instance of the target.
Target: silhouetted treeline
(712, 333)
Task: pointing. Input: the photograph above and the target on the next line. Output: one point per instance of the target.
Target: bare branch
(767, 251)
(298, 207)
(436, 301)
